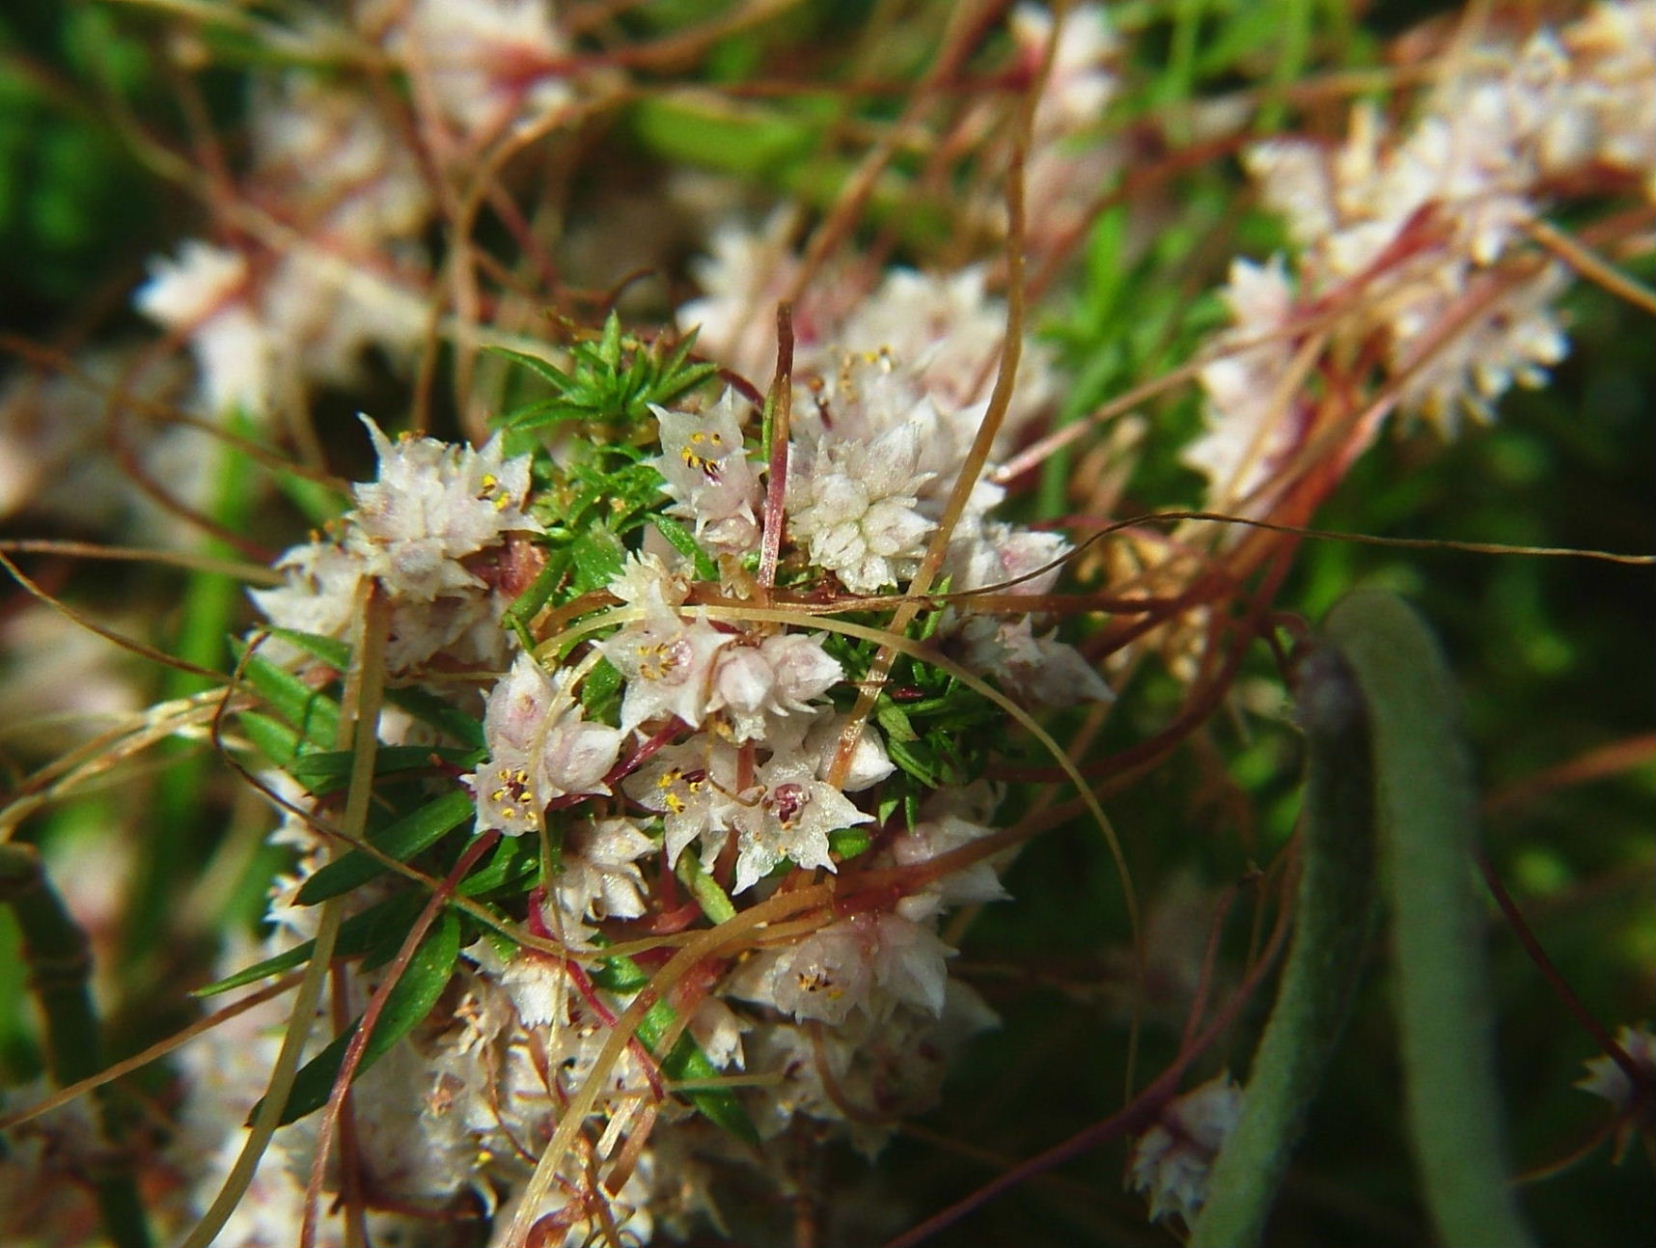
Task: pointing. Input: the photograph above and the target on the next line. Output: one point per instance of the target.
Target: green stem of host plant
(1426, 808)
(55, 950)
(1333, 919)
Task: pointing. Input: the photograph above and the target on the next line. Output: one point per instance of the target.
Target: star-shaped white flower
(788, 813)
(668, 662)
(709, 475)
(540, 747)
(692, 787)
(1171, 1161)
(756, 685)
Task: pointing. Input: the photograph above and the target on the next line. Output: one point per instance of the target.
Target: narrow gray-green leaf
(684, 542)
(406, 1006)
(313, 713)
(421, 703)
(1427, 808)
(357, 935)
(401, 840)
(324, 771)
(1333, 918)
(273, 738)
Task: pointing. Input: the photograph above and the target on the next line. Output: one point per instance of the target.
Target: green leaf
(621, 975)
(424, 705)
(314, 713)
(752, 141)
(515, 864)
(329, 770)
(1333, 920)
(542, 368)
(599, 558)
(850, 842)
(428, 708)
(409, 1001)
(358, 935)
(609, 346)
(1427, 809)
(916, 762)
(602, 683)
(274, 739)
(714, 901)
(332, 651)
(402, 839)
(682, 541)
(546, 412)
(688, 1064)
(894, 721)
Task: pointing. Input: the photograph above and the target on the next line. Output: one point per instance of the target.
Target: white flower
(203, 296)
(1606, 1079)
(804, 670)
(870, 763)
(753, 685)
(1068, 160)
(749, 271)
(323, 320)
(1613, 51)
(328, 153)
(873, 393)
(788, 813)
(668, 662)
(465, 629)
(1078, 85)
(540, 748)
(1250, 423)
(932, 838)
(869, 962)
(645, 581)
(852, 504)
(538, 986)
(718, 1030)
(320, 591)
(944, 335)
(692, 786)
(600, 877)
(1043, 670)
(1417, 219)
(488, 62)
(709, 474)
(993, 554)
(1171, 1161)
(1516, 337)
(433, 505)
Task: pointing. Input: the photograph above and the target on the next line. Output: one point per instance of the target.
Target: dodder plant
(644, 764)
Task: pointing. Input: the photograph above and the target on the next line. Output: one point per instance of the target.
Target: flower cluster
(1172, 1160)
(331, 261)
(1414, 244)
(699, 735)
(428, 533)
